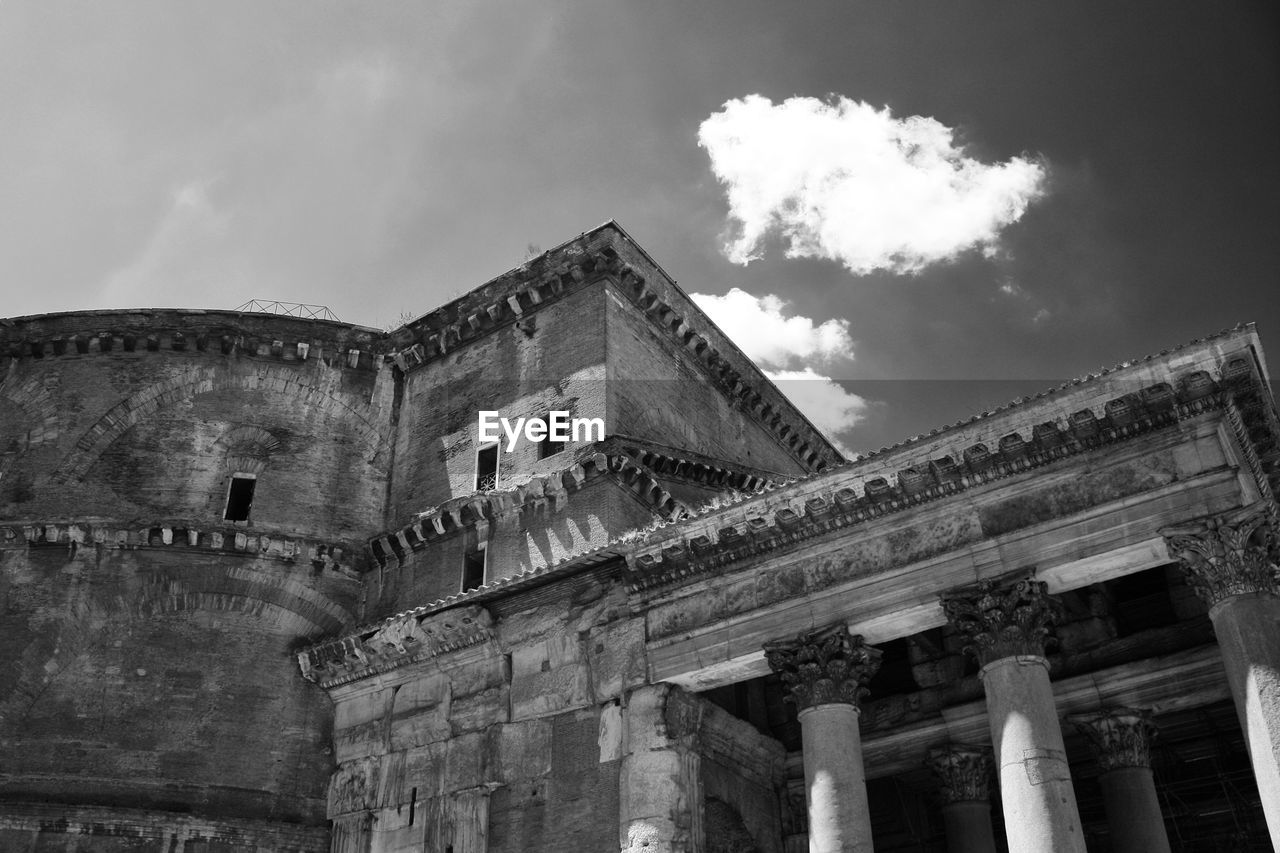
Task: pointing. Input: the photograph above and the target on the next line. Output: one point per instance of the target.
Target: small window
(547, 447)
(240, 497)
(487, 468)
(473, 569)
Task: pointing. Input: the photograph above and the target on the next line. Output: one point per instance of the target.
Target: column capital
(824, 667)
(965, 772)
(1120, 737)
(1226, 555)
(1003, 618)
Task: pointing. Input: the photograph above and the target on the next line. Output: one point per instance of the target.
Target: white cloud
(832, 409)
(847, 182)
(786, 348)
(757, 326)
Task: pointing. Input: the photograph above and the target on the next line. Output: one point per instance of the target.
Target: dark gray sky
(381, 158)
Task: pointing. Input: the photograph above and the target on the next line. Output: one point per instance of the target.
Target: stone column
(1006, 625)
(660, 796)
(965, 775)
(1121, 740)
(1231, 562)
(824, 672)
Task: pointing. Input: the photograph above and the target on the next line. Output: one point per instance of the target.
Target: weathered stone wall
(519, 733)
(121, 431)
(659, 392)
(41, 828)
(552, 360)
(146, 654)
(159, 676)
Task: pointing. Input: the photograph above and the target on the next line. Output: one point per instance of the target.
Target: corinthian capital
(1121, 737)
(1226, 555)
(824, 667)
(965, 772)
(1003, 619)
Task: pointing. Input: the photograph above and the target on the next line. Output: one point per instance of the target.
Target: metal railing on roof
(289, 309)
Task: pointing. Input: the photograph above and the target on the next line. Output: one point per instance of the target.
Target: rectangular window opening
(487, 468)
(547, 447)
(240, 497)
(473, 564)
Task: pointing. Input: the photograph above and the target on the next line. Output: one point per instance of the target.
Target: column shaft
(1133, 811)
(1248, 629)
(1039, 803)
(968, 826)
(965, 774)
(825, 672)
(835, 784)
(1230, 560)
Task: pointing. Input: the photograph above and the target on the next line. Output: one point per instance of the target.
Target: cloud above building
(795, 352)
(847, 182)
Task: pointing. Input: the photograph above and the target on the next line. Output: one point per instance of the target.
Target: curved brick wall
(145, 642)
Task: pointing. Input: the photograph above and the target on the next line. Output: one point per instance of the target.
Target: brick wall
(161, 677)
(155, 435)
(659, 393)
(555, 361)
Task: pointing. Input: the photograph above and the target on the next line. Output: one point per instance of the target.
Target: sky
(930, 207)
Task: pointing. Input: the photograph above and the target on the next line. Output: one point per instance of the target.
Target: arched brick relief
(242, 591)
(28, 414)
(247, 448)
(287, 382)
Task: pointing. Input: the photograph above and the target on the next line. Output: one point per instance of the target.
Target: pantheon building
(264, 588)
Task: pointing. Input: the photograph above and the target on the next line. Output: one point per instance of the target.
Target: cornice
(785, 517)
(180, 536)
(399, 641)
(478, 510)
(190, 333)
(678, 464)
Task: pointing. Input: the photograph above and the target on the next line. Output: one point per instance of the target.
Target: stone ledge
(395, 642)
(167, 534)
(479, 509)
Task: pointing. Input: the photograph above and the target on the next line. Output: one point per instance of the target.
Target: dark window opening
(487, 468)
(894, 677)
(240, 498)
(413, 802)
(547, 447)
(473, 569)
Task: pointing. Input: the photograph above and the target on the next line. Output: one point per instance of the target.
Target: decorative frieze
(964, 772)
(1226, 555)
(552, 490)
(824, 667)
(73, 535)
(1003, 619)
(1120, 737)
(394, 642)
(878, 485)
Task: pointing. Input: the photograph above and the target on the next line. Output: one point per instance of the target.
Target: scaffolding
(289, 309)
